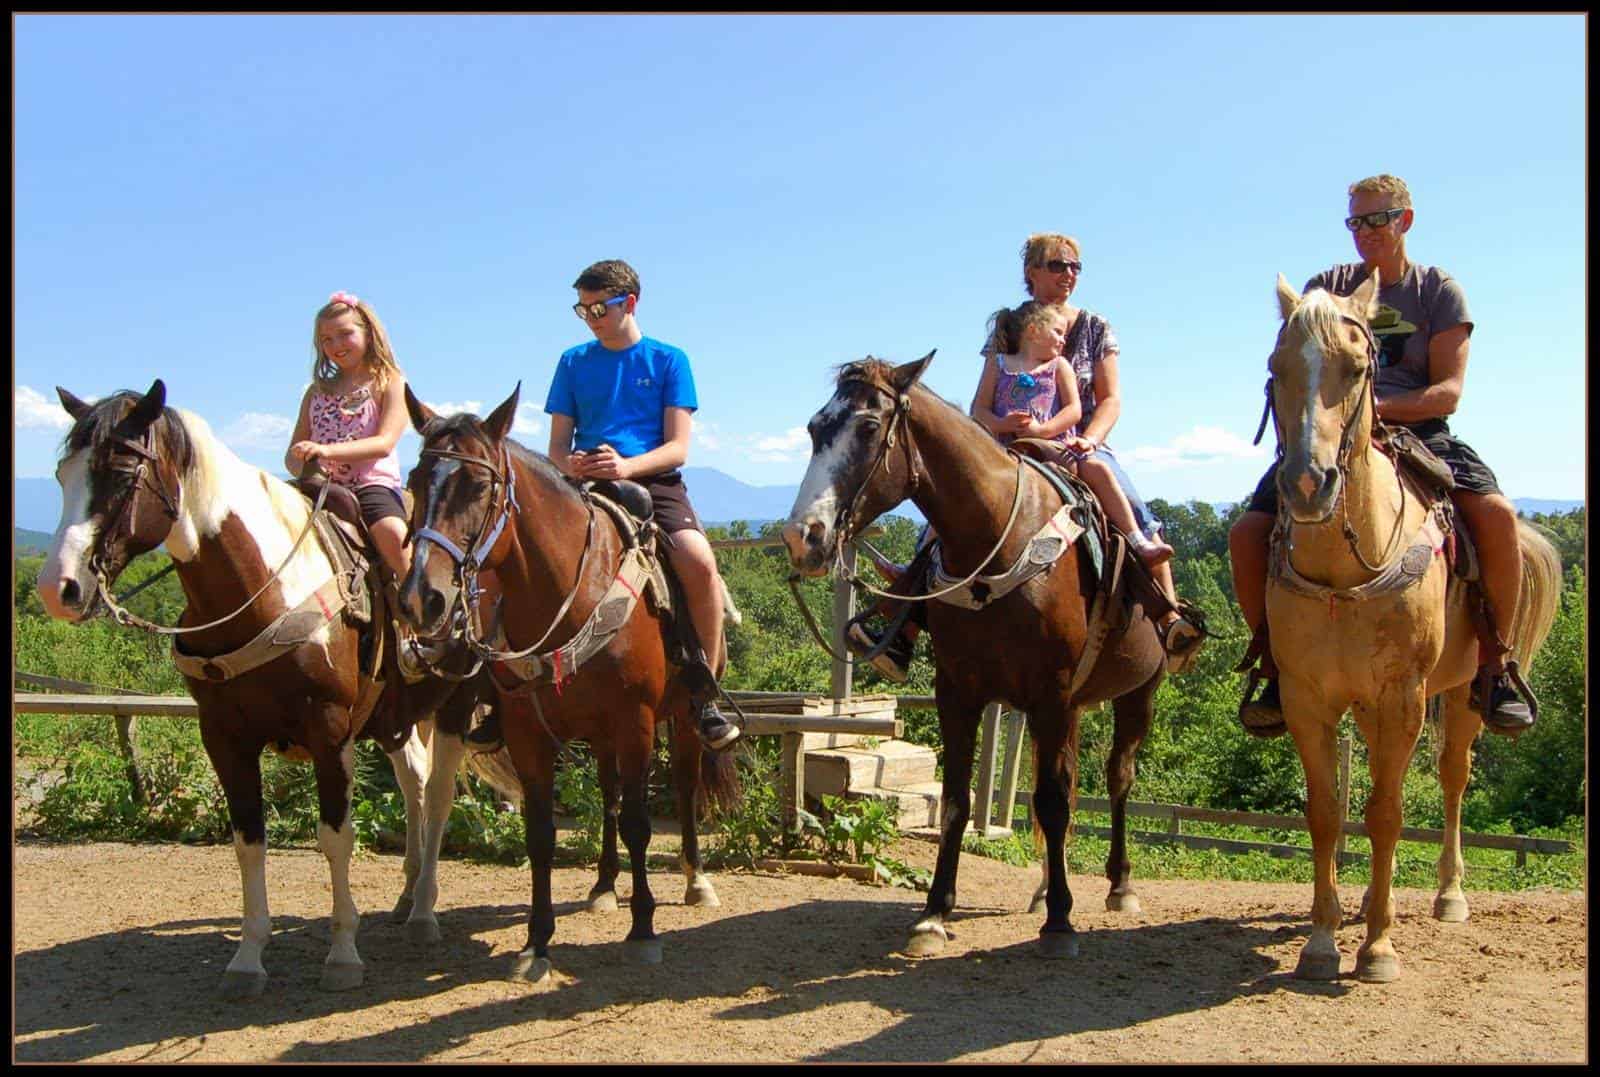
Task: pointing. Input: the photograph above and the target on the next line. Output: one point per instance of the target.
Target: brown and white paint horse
(135, 474)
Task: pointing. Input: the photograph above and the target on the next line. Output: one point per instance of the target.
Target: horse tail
(719, 790)
(497, 769)
(1539, 597)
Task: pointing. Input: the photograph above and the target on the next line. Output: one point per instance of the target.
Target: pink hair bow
(344, 297)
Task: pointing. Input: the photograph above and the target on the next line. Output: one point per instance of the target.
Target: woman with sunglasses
(1051, 263)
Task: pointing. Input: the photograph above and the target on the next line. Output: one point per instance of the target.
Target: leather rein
(1368, 401)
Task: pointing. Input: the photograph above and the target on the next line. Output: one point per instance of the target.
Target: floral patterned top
(1033, 391)
(350, 417)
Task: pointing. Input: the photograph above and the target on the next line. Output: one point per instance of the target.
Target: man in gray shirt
(1422, 330)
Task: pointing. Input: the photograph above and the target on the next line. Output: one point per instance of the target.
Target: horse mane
(537, 462)
(879, 374)
(1318, 316)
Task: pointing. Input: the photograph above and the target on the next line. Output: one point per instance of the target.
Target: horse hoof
(1036, 906)
(1451, 910)
(702, 895)
(402, 911)
(422, 932)
(1054, 944)
(605, 902)
(1377, 968)
(1125, 902)
(1317, 966)
(643, 951)
(530, 969)
(341, 977)
(241, 985)
(925, 943)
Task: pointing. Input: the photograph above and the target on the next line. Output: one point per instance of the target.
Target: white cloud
(706, 436)
(451, 408)
(35, 412)
(791, 441)
(1202, 445)
(259, 430)
(529, 421)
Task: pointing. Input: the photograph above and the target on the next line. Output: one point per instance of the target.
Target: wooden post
(844, 608)
(1344, 796)
(983, 806)
(793, 774)
(1016, 730)
(130, 756)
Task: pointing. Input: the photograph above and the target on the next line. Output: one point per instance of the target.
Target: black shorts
(1466, 467)
(669, 499)
(379, 501)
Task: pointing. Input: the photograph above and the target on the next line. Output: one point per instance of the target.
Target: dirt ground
(119, 952)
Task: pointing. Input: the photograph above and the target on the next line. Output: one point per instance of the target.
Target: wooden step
(918, 804)
(892, 764)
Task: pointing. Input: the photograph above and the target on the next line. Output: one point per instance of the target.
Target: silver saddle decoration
(1044, 549)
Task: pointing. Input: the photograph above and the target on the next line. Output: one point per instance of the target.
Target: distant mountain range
(718, 498)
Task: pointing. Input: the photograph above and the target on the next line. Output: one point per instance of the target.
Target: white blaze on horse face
(1312, 355)
(818, 499)
(74, 538)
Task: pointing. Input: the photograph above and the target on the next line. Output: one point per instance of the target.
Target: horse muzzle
(67, 597)
(810, 545)
(1309, 492)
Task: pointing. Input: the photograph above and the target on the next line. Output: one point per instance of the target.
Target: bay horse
(883, 438)
(136, 474)
(483, 501)
(1376, 638)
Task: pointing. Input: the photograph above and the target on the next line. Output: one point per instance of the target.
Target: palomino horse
(487, 502)
(136, 474)
(1376, 637)
(883, 438)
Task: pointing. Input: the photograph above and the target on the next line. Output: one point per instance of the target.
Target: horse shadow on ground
(157, 986)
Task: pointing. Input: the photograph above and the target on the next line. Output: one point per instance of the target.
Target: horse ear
(148, 409)
(500, 419)
(908, 374)
(1288, 298)
(1365, 297)
(75, 407)
(421, 414)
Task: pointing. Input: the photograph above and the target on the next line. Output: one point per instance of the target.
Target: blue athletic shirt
(616, 398)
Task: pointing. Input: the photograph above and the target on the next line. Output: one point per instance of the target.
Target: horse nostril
(71, 594)
(433, 607)
(1330, 479)
(814, 534)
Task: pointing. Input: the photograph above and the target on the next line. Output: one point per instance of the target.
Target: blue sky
(795, 192)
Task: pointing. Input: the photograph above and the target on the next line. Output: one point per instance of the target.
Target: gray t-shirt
(1425, 301)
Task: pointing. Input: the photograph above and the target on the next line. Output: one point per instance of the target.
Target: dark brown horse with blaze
(883, 438)
(267, 649)
(482, 501)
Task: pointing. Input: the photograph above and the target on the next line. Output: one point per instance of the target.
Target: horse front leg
(1460, 725)
(536, 768)
(410, 763)
(438, 798)
(1134, 713)
(603, 896)
(1054, 736)
(1391, 728)
(689, 761)
(238, 768)
(958, 728)
(641, 945)
(1314, 724)
(336, 837)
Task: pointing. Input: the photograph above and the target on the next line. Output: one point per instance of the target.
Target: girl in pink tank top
(352, 416)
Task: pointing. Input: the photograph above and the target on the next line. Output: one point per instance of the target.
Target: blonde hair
(1008, 325)
(380, 356)
(1383, 183)
(1040, 244)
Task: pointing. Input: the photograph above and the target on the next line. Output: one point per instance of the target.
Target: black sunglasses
(1057, 265)
(1372, 220)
